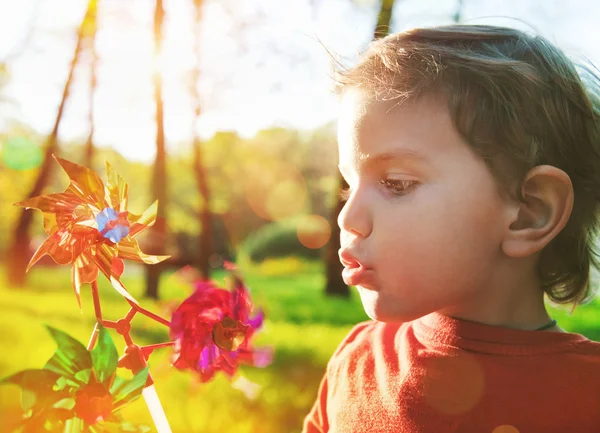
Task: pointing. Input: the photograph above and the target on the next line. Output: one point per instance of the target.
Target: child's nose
(354, 217)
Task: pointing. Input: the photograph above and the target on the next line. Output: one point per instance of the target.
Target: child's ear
(546, 207)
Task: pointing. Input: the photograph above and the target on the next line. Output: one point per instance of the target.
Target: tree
(19, 251)
(93, 26)
(335, 284)
(157, 235)
(205, 238)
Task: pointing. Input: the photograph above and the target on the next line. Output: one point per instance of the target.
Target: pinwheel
(89, 227)
(213, 332)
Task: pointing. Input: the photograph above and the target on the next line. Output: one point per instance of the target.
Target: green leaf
(70, 357)
(34, 383)
(104, 356)
(83, 376)
(48, 419)
(129, 391)
(65, 403)
(32, 379)
(28, 398)
(116, 385)
(116, 424)
(73, 425)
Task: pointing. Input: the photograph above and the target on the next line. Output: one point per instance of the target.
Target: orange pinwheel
(88, 226)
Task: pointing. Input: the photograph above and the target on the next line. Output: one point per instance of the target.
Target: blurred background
(223, 111)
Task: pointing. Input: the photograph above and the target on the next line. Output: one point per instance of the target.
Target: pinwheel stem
(147, 350)
(96, 299)
(97, 312)
(93, 337)
(135, 356)
(156, 410)
(149, 314)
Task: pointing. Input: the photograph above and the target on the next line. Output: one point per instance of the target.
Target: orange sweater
(441, 375)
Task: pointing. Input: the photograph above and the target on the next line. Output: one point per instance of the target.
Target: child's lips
(359, 276)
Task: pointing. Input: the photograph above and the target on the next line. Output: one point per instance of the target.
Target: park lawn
(286, 389)
(302, 325)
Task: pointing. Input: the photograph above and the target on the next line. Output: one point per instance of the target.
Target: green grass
(295, 309)
(302, 325)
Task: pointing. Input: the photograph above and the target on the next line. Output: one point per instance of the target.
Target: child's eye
(398, 186)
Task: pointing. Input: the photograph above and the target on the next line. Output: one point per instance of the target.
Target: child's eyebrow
(397, 154)
(403, 155)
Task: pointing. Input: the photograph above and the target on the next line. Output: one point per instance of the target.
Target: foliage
(245, 176)
(77, 390)
(278, 239)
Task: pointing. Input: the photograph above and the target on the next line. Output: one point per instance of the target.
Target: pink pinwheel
(212, 331)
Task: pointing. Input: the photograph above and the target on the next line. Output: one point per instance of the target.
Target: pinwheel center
(229, 334)
(112, 225)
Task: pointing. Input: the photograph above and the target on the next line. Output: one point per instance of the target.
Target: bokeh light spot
(455, 384)
(506, 429)
(286, 199)
(20, 153)
(275, 190)
(314, 231)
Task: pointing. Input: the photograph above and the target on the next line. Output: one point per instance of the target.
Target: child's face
(422, 228)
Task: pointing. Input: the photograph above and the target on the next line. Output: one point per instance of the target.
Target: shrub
(278, 239)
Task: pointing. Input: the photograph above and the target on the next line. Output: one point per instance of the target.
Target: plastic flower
(88, 226)
(77, 390)
(212, 331)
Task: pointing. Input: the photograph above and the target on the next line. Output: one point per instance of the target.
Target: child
(473, 159)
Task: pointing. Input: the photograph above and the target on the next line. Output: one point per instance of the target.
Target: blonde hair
(519, 102)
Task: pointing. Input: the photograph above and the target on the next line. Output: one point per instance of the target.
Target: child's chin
(375, 307)
(380, 309)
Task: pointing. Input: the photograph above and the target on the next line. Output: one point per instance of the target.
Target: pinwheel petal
(129, 249)
(76, 280)
(85, 183)
(65, 245)
(105, 260)
(260, 358)
(119, 287)
(50, 223)
(257, 321)
(117, 267)
(63, 202)
(51, 246)
(141, 222)
(84, 271)
(116, 189)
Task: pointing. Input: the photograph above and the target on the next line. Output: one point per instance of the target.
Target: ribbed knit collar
(437, 330)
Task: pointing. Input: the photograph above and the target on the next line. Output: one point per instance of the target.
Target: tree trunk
(89, 146)
(205, 238)
(19, 254)
(384, 19)
(157, 234)
(335, 285)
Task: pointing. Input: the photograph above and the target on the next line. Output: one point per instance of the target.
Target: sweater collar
(438, 330)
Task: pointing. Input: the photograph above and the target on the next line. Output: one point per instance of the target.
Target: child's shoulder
(364, 337)
(589, 351)
(368, 338)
